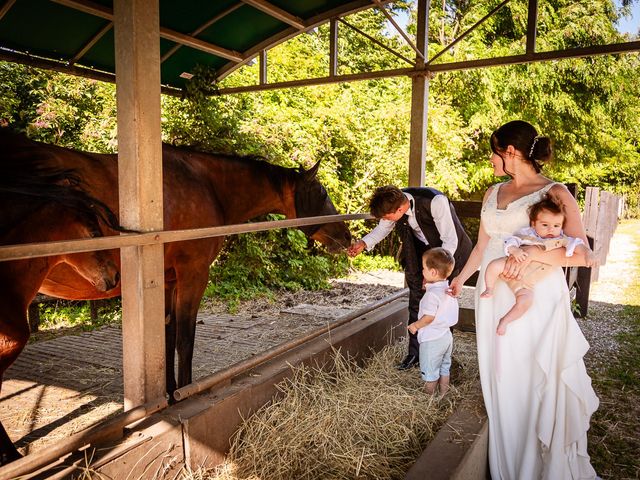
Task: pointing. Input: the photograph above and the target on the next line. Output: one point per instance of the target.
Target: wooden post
(33, 316)
(137, 44)
(419, 102)
(333, 48)
(583, 286)
(590, 220)
(263, 67)
(532, 21)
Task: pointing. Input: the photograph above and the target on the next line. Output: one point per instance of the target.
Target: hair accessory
(533, 145)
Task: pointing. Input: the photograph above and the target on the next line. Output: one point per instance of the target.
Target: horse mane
(27, 183)
(277, 175)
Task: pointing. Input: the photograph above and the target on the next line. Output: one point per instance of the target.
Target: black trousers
(413, 277)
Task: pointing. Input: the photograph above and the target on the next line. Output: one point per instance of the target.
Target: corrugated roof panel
(54, 32)
(308, 8)
(102, 55)
(259, 27)
(47, 29)
(186, 16)
(183, 61)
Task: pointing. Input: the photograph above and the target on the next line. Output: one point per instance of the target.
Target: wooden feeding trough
(196, 431)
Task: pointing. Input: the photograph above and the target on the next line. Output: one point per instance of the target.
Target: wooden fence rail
(602, 211)
(601, 214)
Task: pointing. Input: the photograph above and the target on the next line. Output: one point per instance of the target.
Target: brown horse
(37, 208)
(200, 190)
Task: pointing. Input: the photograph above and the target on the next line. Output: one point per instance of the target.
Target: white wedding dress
(536, 389)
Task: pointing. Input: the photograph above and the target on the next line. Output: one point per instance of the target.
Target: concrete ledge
(459, 449)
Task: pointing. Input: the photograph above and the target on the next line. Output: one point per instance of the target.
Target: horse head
(98, 267)
(311, 200)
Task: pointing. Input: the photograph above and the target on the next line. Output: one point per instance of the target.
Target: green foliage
(613, 441)
(65, 314)
(254, 264)
(56, 108)
(367, 263)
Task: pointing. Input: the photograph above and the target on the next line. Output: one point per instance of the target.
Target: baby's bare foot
(488, 293)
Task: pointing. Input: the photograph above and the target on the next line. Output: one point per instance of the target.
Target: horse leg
(190, 289)
(170, 336)
(14, 333)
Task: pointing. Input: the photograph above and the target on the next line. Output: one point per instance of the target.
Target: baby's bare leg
(493, 270)
(524, 299)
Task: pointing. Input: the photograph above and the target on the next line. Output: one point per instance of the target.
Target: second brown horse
(200, 190)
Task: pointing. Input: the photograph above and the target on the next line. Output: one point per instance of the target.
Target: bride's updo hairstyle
(524, 137)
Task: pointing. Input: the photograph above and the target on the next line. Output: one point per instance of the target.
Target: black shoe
(408, 362)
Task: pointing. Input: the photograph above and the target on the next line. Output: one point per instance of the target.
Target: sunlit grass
(614, 438)
(61, 317)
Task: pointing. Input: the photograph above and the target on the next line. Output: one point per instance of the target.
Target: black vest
(422, 209)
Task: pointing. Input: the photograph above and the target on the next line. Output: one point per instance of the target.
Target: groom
(424, 218)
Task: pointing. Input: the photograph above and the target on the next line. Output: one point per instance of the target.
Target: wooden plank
(16, 252)
(419, 102)
(137, 32)
(467, 209)
(583, 286)
(591, 210)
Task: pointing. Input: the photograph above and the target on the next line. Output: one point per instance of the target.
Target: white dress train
(536, 389)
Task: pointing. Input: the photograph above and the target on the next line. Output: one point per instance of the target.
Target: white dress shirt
(526, 236)
(441, 216)
(444, 309)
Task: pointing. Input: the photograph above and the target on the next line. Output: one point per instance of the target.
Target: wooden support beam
(419, 102)
(101, 11)
(91, 43)
(376, 41)
(277, 12)
(206, 47)
(263, 67)
(6, 7)
(532, 24)
(468, 32)
(402, 33)
(140, 188)
(202, 28)
(31, 250)
(333, 48)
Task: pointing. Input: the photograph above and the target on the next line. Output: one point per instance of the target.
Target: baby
(547, 219)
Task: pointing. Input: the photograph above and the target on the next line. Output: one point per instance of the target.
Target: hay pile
(352, 422)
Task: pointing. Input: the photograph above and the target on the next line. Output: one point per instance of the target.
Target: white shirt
(441, 216)
(516, 240)
(443, 307)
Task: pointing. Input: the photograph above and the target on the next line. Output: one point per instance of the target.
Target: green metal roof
(77, 35)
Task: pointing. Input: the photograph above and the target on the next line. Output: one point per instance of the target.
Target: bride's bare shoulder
(493, 187)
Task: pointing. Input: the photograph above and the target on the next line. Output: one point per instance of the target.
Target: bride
(536, 390)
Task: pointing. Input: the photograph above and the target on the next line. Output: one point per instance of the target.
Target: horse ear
(313, 171)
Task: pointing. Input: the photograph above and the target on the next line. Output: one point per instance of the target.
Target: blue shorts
(435, 357)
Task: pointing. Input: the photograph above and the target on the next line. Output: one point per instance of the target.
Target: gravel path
(607, 296)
